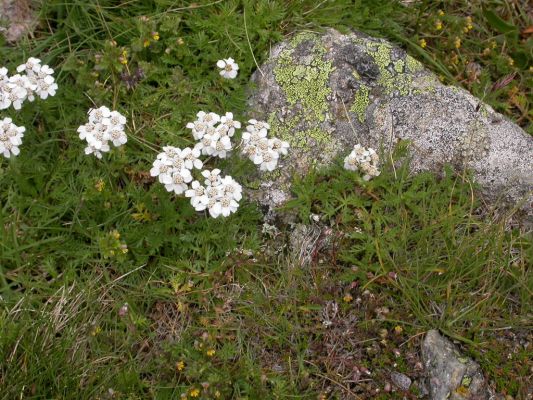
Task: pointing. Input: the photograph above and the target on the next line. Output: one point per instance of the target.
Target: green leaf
(499, 24)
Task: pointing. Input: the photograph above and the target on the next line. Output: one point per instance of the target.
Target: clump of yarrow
(104, 127)
(175, 168)
(10, 137)
(363, 159)
(32, 80)
(260, 149)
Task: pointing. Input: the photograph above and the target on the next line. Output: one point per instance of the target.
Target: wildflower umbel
(261, 150)
(10, 137)
(228, 68)
(104, 126)
(32, 79)
(364, 159)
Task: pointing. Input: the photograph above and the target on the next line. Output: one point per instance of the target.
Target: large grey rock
(325, 93)
(450, 375)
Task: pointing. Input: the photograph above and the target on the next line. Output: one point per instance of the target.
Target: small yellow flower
(123, 57)
(422, 43)
(440, 13)
(493, 44)
(96, 331)
(457, 42)
(438, 25)
(146, 43)
(210, 352)
(347, 298)
(531, 69)
(217, 394)
(486, 52)
(510, 61)
(155, 36)
(398, 329)
(180, 365)
(194, 392)
(180, 41)
(100, 185)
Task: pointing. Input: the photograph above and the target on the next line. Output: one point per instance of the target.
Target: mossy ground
(219, 308)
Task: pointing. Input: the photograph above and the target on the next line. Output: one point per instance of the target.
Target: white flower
(229, 124)
(221, 147)
(163, 170)
(190, 158)
(198, 195)
(253, 135)
(279, 146)
(198, 129)
(258, 125)
(97, 152)
(269, 160)
(10, 137)
(210, 119)
(14, 95)
(228, 206)
(231, 188)
(99, 115)
(33, 64)
(117, 136)
(228, 68)
(116, 119)
(364, 159)
(212, 178)
(179, 181)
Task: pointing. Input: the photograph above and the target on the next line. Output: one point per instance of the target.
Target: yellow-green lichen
(413, 65)
(302, 37)
(381, 54)
(361, 102)
(399, 66)
(391, 81)
(307, 85)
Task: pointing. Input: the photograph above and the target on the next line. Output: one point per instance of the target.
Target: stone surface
(16, 19)
(401, 381)
(449, 374)
(325, 93)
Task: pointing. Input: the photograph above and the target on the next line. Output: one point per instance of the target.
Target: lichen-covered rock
(325, 93)
(450, 375)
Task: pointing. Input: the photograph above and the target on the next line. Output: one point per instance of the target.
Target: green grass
(407, 253)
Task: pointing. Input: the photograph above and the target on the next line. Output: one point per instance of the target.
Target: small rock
(451, 375)
(16, 19)
(401, 381)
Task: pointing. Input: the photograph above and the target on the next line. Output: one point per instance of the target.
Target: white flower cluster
(363, 159)
(213, 133)
(173, 167)
(261, 150)
(220, 196)
(104, 126)
(10, 137)
(33, 79)
(228, 68)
